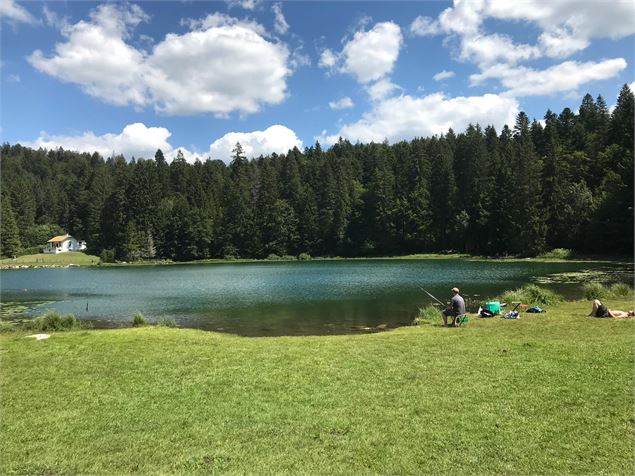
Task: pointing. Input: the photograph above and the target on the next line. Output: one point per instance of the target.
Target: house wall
(70, 244)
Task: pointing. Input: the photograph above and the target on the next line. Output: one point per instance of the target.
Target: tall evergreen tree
(9, 233)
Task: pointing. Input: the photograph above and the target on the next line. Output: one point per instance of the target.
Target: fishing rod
(443, 304)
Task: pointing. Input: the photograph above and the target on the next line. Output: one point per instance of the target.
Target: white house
(64, 243)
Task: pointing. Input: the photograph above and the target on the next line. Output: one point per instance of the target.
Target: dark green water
(298, 298)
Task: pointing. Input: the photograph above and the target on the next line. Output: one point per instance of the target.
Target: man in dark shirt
(457, 308)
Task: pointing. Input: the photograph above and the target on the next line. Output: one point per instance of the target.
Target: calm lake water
(298, 298)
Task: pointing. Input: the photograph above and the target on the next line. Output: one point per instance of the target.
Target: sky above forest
(199, 76)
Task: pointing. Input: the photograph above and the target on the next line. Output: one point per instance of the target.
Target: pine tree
(528, 220)
(443, 196)
(622, 120)
(10, 236)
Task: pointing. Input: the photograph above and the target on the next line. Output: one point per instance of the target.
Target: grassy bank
(60, 259)
(546, 394)
(82, 259)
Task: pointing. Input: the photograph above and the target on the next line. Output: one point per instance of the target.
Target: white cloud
(141, 141)
(53, 19)
(561, 42)
(588, 19)
(14, 78)
(443, 75)
(219, 69)
(371, 55)
(135, 140)
(244, 4)
(405, 117)
(425, 26)
(12, 11)
(567, 25)
(344, 103)
(97, 58)
(463, 18)
(567, 76)
(277, 138)
(488, 49)
(631, 86)
(328, 59)
(280, 23)
(222, 66)
(381, 89)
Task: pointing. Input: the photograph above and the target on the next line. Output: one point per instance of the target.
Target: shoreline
(411, 257)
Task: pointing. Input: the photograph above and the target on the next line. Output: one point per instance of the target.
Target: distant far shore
(79, 259)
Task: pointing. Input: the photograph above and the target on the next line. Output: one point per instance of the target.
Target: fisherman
(456, 308)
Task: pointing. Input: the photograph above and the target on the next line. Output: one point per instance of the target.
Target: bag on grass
(535, 310)
(485, 313)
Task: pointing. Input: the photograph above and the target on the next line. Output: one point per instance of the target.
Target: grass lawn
(60, 259)
(546, 394)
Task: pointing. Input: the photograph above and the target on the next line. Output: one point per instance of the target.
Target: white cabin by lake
(63, 244)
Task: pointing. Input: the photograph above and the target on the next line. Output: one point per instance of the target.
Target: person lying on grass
(600, 310)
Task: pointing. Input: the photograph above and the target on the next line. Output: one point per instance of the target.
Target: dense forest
(530, 188)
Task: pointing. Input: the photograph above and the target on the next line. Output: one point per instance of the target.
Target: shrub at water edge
(532, 295)
(597, 290)
(427, 315)
(138, 320)
(621, 290)
(559, 253)
(166, 322)
(52, 321)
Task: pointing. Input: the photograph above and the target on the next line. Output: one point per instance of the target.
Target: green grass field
(61, 259)
(547, 394)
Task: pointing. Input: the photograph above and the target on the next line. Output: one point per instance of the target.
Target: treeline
(530, 188)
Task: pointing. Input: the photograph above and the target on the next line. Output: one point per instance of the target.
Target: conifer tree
(10, 236)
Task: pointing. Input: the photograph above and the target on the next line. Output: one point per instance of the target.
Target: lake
(286, 298)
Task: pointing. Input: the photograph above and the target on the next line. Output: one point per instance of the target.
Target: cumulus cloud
(12, 11)
(344, 103)
(244, 4)
(135, 140)
(405, 117)
(561, 42)
(219, 69)
(368, 56)
(381, 89)
(443, 75)
(567, 76)
(488, 49)
(277, 138)
(141, 141)
(328, 59)
(590, 19)
(222, 65)
(371, 55)
(567, 25)
(280, 23)
(98, 59)
(425, 26)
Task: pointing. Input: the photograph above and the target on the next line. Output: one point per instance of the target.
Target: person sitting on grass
(457, 308)
(600, 310)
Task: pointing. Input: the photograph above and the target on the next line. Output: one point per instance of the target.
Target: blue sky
(130, 77)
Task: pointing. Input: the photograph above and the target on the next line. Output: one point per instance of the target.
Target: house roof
(57, 239)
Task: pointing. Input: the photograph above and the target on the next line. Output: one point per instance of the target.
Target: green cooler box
(493, 306)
